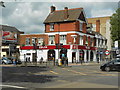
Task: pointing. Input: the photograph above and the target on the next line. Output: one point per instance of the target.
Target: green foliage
(115, 25)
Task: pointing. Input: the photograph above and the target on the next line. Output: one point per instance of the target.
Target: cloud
(62, 0)
(101, 13)
(29, 16)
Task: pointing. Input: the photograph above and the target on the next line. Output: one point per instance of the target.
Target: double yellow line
(75, 71)
(54, 72)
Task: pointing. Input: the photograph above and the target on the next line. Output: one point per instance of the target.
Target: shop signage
(87, 47)
(75, 47)
(9, 37)
(43, 47)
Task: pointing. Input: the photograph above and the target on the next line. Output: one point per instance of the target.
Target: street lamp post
(35, 48)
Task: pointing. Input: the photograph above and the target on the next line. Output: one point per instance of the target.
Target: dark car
(112, 65)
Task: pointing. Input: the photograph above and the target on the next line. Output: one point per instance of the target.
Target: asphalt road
(77, 76)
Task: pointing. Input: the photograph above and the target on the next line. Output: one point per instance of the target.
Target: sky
(29, 15)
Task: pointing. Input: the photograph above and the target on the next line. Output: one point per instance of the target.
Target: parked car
(111, 65)
(6, 61)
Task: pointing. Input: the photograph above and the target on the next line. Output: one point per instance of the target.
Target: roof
(99, 17)
(8, 28)
(58, 15)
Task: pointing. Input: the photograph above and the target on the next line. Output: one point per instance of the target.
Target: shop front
(74, 53)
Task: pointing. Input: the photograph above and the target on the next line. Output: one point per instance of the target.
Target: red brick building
(66, 35)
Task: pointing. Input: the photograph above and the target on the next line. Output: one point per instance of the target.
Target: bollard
(60, 62)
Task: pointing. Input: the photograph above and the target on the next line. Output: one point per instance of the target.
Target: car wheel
(102, 69)
(107, 69)
(3, 63)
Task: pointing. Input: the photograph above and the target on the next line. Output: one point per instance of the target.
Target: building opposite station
(9, 41)
(103, 28)
(67, 34)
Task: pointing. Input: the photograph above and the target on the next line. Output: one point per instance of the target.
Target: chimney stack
(66, 13)
(53, 9)
(98, 26)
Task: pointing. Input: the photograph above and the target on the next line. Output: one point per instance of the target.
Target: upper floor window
(86, 42)
(91, 41)
(52, 27)
(40, 41)
(51, 40)
(94, 27)
(81, 26)
(63, 39)
(81, 40)
(27, 41)
(33, 40)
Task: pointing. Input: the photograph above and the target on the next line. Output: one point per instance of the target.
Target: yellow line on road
(75, 71)
(109, 75)
(54, 72)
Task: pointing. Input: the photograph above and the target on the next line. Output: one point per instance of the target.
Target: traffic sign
(107, 52)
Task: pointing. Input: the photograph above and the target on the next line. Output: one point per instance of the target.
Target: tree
(115, 26)
(2, 4)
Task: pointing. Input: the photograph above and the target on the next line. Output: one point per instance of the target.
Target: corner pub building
(67, 34)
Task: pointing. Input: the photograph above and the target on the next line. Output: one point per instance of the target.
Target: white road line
(11, 86)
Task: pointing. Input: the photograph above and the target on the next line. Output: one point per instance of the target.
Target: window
(51, 40)
(86, 41)
(33, 40)
(40, 41)
(81, 26)
(63, 39)
(28, 53)
(81, 40)
(52, 27)
(27, 41)
(91, 42)
(94, 27)
(98, 42)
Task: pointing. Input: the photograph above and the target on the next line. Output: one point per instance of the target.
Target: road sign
(107, 52)
(117, 51)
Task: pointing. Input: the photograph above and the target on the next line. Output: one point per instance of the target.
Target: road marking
(75, 71)
(53, 72)
(62, 81)
(11, 86)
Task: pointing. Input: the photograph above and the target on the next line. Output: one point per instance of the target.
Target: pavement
(51, 64)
